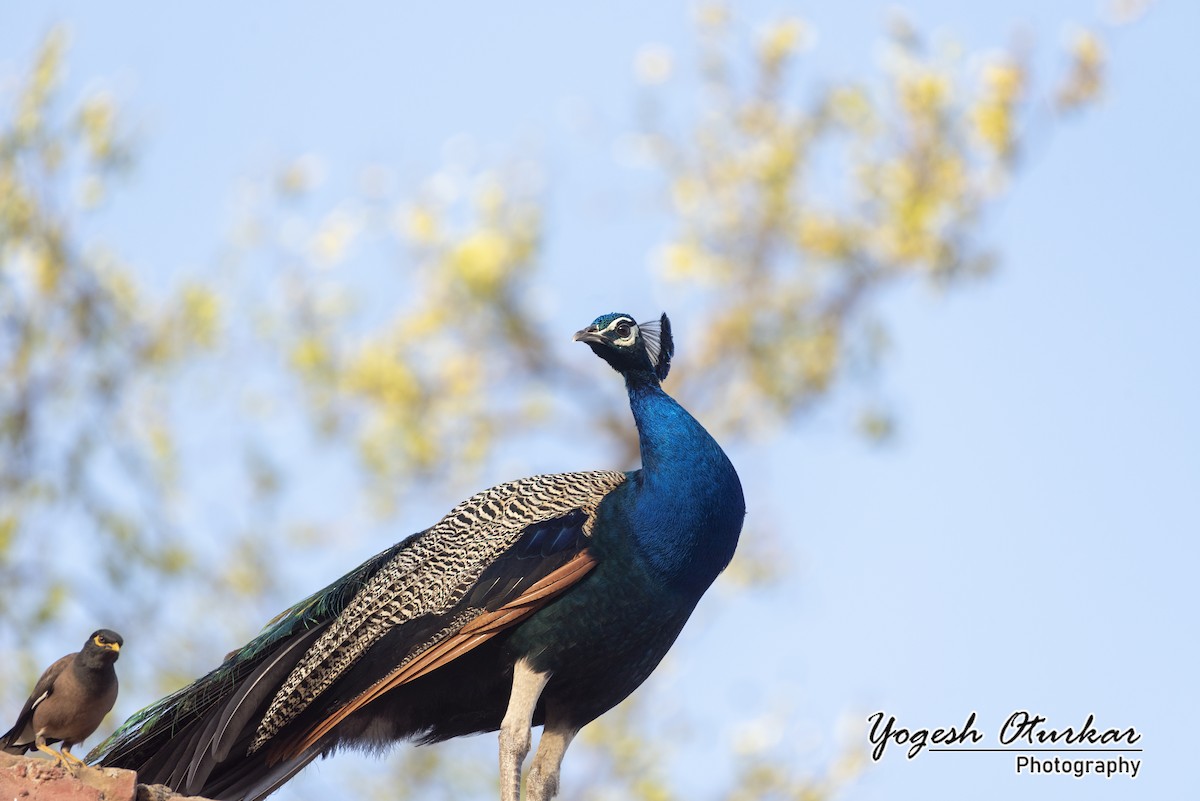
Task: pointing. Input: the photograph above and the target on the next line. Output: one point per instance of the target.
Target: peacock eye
(623, 329)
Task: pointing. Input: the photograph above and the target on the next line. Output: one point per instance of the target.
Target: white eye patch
(627, 339)
(633, 332)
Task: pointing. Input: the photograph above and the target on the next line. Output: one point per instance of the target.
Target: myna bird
(69, 701)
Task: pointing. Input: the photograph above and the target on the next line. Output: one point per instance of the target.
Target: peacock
(542, 601)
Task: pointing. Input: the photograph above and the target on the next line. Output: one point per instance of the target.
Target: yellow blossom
(122, 289)
(1087, 50)
(420, 225)
(379, 374)
(301, 175)
(822, 236)
(481, 260)
(1085, 80)
(1003, 81)
(334, 237)
(97, 118)
(687, 192)
(712, 15)
(161, 443)
(8, 530)
(652, 64)
(679, 260)
(781, 40)
(90, 191)
(924, 94)
(461, 375)
(425, 322)
(490, 197)
(48, 268)
(310, 355)
(993, 125)
(817, 357)
(201, 314)
(851, 106)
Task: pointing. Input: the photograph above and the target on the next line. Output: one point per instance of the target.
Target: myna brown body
(69, 701)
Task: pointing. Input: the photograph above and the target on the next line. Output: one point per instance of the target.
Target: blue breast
(685, 506)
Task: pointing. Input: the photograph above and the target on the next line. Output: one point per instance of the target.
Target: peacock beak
(589, 334)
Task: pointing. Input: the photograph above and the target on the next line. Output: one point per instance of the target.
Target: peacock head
(631, 347)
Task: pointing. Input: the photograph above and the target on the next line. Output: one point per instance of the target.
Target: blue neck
(688, 506)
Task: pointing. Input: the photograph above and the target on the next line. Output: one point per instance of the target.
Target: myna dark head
(104, 646)
(628, 346)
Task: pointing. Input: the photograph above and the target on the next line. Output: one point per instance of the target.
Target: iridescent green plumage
(161, 720)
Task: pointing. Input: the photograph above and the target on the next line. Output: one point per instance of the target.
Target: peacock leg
(543, 774)
(515, 728)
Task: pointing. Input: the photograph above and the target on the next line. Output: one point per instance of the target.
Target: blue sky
(1027, 541)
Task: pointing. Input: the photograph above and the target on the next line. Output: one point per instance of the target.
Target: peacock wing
(493, 560)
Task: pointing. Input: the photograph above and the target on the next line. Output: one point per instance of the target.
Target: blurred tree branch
(78, 346)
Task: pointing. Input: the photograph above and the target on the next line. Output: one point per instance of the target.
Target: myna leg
(40, 742)
(65, 748)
